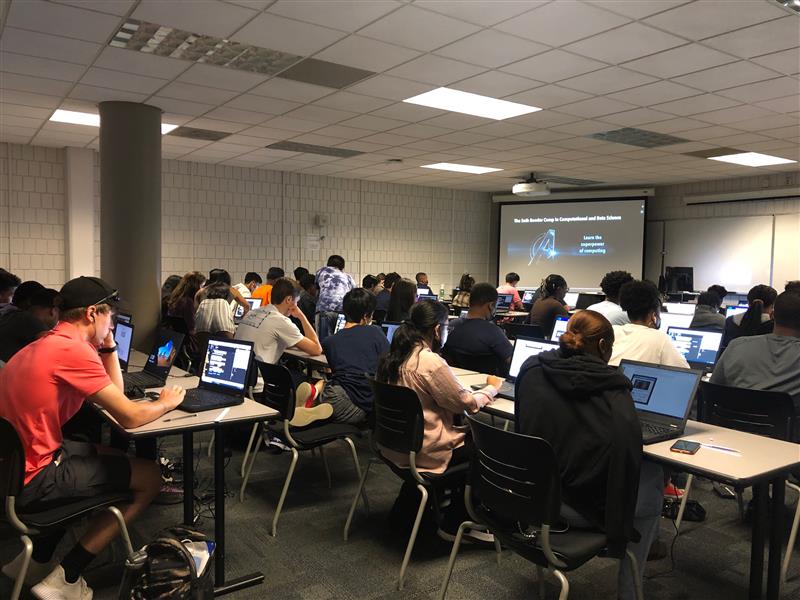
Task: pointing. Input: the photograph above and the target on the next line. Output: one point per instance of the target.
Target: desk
(170, 424)
(761, 463)
(320, 362)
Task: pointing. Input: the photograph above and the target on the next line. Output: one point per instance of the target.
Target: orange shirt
(264, 292)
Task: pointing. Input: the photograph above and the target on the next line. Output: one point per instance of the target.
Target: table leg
(188, 479)
(760, 504)
(776, 530)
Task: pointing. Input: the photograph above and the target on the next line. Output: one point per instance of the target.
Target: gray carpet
(309, 560)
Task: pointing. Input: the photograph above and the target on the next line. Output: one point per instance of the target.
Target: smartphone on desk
(685, 447)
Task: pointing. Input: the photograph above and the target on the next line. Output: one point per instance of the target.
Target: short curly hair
(639, 298)
(613, 281)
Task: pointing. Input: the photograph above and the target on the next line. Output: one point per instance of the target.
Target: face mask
(436, 345)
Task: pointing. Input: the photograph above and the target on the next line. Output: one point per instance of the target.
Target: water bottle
(441, 292)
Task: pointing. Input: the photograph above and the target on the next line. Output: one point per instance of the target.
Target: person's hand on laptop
(494, 381)
(171, 397)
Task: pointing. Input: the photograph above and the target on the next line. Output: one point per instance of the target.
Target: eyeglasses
(113, 297)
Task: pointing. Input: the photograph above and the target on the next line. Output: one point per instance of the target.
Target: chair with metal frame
(279, 393)
(514, 492)
(398, 425)
(760, 412)
(32, 523)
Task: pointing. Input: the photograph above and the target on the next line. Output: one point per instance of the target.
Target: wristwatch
(110, 350)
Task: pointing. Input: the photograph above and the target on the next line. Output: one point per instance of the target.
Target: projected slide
(580, 240)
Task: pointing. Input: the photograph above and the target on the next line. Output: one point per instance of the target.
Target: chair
(481, 363)
(33, 523)
(398, 425)
(514, 491)
(771, 414)
(515, 330)
(279, 393)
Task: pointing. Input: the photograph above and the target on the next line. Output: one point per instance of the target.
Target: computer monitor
(675, 320)
(389, 329)
(735, 310)
(123, 336)
(504, 301)
(524, 348)
(698, 347)
(253, 302)
(559, 327)
(571, 298)
(680, 308)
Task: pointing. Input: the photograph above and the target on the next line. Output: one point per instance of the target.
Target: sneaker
(471, 536)
(302, 394)
(306, 416)
(56, 587)
(36, 570)
(276, 445)
(672, 492)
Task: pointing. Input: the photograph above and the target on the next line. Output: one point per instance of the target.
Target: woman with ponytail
(572, 398)
(758, 318)
(550, 303)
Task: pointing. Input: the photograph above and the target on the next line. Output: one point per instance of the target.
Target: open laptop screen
(226, 364)
(123, 335)
(340, 321)
(571, 298)
(559, 327)
(735, 310)
(504, 301)
(696, 346)
(661, 390)
(586, 300)
(527, 296)
(253, 302)
(524, 349)
(160, 360)
(422, 297)
(389, 329)
(680, 308)
(675, 320)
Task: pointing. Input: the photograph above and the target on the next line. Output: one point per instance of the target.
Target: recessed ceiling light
(461, 168)
(91, 119)
(471, 104)
(752, 159)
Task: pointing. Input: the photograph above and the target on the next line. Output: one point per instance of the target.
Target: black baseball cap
(86, 291)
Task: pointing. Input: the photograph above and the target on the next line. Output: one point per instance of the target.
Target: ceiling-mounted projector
(531, 187)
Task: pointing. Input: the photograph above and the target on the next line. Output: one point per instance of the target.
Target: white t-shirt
(270, 331)
(243, 290)
(637, 342)
(214, 315)
(611, 311)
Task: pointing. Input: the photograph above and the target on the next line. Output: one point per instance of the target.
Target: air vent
(637, 137)
(322, 72)
(199, 134)
(568, 180)
(713, 152)
(312, 149)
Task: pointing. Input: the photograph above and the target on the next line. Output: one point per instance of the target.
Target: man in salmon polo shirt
(41, 388)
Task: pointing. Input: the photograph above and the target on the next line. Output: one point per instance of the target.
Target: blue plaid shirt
(333, 285)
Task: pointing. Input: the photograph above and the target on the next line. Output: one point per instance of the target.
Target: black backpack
(165, 569)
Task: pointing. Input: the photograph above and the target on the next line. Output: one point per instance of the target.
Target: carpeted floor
(309, 560)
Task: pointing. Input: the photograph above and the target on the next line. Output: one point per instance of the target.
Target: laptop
(158, 364)
(699, 348)
(559, 327)
(422, 297)
(571, 298)
(586, 300)
(527, 297)
(424, 290)
(123, 336)
(662, 397)
(680, 308)
(389, 329)
(463, 314)
(253, 302)
(675, 320)
(123, 318)
(223, 378)
(735, 310)
(524, 348)
(340, 321)
(503, 304)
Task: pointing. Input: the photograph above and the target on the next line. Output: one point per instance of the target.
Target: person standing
(333, 284)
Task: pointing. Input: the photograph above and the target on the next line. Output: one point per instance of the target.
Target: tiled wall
(32, 212)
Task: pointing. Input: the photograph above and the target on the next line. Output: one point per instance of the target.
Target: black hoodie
(584, 409)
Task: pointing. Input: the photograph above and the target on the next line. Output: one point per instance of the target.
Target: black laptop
(584, 300)
(158, 364)
(699, 348)
(662, 397)
(123, 336)
(223, 378)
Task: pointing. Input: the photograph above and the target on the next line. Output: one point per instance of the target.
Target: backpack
(166, 569)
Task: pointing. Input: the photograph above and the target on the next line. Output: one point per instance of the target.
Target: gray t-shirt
(270, 332)
(761, 362)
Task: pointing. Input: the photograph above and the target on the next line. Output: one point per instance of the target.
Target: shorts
(77, 471)
(344, 410)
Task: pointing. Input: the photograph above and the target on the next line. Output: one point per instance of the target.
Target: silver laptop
(662, 397)
(524, 348)
(253, 302)
(223, 378)
(503, 304)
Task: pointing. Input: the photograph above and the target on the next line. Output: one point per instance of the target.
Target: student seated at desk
(249, 285)
(550, 304)
(8, 285)
(403, 296)
(706, 315)
(461, 299)
(222, 277)
(584, 408)
(41, 388)
(263, 291)
(641, 339)
(477, 333)
(33, 315)
(215, 314)
(510, 287)
(757, 320)
(610, 308)
(384, 296)
(351, 353)
(307, 301)
(181, 308)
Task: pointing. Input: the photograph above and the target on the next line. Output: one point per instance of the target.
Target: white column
(79, 211)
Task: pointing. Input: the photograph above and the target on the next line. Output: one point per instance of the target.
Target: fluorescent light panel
(461, 168)
(752, 159)
(92, 120)
(471, 104)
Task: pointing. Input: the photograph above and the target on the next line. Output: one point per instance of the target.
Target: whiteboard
(735, 252)
(787, 250)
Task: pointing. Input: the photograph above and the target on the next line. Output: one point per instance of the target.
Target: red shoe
(672, 492)
(312, 395)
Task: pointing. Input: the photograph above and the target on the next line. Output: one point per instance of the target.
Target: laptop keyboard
(142, 379)
(507, 389)
(655, 430)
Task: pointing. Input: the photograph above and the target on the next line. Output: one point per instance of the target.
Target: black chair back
(514, 477)
(771, 414)
(397, 417)
(12, 461)
(278, 389)
(482, 363)
(515, 330)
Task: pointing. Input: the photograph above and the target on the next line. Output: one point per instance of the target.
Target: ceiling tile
(764, 90)
(726, 76)
(352, 102)
(58, 19)
(785, 62)
(47, 46)
(366, 53)
(733, 114)
(404, 111)
(759, 39)
(262, 104)
(695, 104)
(679, 61)
(36, 85)
(390, 139)
(114, 7)
(347, 15)
(224, 113)
(392, 88)
(40, 67)
(320, 114)
(583, 127)
(763, 123)
(181, 107)
(463, 137)
(418, 29)
(636, 9)
(782, 105)
(480, 12)
(117, 80)
(560, 23)
(18, 110)
(655, 93)
(544, 118)
(344, 133)
(216, 125)
(287, 89)
(221, 77)
(491, 49)
(595, 107)
(715, 132)
(673, 125)
(548, 96)
(372, 123)
(419, 130)
(495, 84)
(604, 81)
(291, 124)
(96, 94)
(435, 70)
(554, 66)
(139, 63)
(196, 93)
(634, 118)
(457, 121)
(286, 35)
(268, 133)
(707, 18)
(626, 43)
(214, 18)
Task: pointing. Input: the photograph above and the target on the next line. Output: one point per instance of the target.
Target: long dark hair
(414, 331)
(758, 298)
(552, 283)
(402, 298)
(187, 287)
